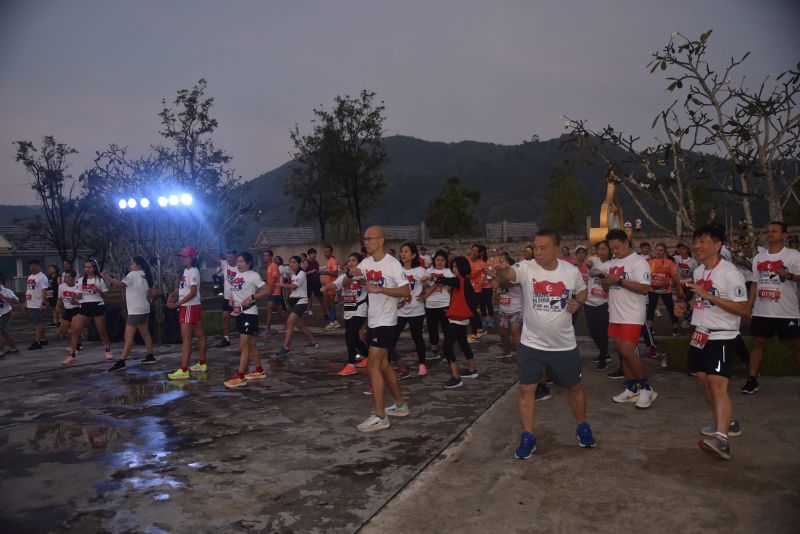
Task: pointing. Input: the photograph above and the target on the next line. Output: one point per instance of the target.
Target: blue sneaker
(585, 437)
(466, 373)
(527, 444)
(454, 383)
(543, 393)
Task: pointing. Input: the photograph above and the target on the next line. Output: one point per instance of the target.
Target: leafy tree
(64, 208)
(452, 212)
(566, 205)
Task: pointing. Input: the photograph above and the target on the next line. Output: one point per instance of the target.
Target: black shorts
(93, 309)
(563, 366)
(715, 358)
(69, 314)
(381, 336)
(226, 306)
(315, 289)
(768, 327)
(247, 324)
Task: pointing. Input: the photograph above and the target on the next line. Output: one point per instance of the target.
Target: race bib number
(28, 296)
(505, 300)
(659, 279)
(699, 337)
(598, 292)
(349, 298)
(49, 293)
(769, 294)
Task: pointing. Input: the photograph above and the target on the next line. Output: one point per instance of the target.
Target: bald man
(383, 277)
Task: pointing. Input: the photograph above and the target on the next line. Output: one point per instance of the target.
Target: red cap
(188, 251)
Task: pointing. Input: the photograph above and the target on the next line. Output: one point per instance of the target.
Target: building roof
(19, 241)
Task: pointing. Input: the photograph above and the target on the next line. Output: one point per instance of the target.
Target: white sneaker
(336, 324)
(646, 398)
(373, 423)
(626, 396)
(398, 411)
(504, 355)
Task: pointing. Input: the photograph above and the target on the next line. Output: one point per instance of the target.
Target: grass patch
(778, 358)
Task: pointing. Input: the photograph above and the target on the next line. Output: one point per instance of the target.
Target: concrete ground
(82, 450)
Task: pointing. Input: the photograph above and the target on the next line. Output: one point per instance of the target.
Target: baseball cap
(188, 251)
(581, 247)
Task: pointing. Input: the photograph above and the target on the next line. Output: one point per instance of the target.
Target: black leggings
(456, 333)
(416, 333)
(653, 301)
(597, 321)
(354, 343)
(487, 308)
(436, 318)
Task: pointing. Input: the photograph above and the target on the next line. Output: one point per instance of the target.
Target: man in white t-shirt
(553, 290)
(720, 303)
(773, 300)
(383, 276)
(628, 282)
(228, 269)
(36, 302)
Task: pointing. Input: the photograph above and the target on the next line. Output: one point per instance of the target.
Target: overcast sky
(94, 72)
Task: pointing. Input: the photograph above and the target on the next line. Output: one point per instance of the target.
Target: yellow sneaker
(199, 367)
(180, 374)
(472, 339)
(255, 375)
(235, 383)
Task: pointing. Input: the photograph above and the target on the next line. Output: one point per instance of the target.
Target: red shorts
(625, 332)
(191, 314)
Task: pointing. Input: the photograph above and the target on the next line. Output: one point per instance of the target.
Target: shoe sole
(374, 428)
(178, 377)
(616, 377)
(544, 398)
(653, 397)
(456, 386)
(518, 457)
(598, 369)
(348, 373)
(722, 454)
(730, 434)
(749, 391)
(628, 400)
(586, 446)
(474, 375)
(149, 362)
(255, 377)
(398, 414)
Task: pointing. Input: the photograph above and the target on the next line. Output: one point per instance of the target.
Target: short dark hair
(617, 234)
(247, 257)
(714, 231)
(311, 251)
(231, 251)
(779, 223)
(35, 262)
(269, 251)
(330, 247)
(547, 232)
(644, 244)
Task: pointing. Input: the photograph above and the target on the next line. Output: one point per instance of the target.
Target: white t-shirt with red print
(726, 282)
(242, 286)
(597, 294)
(440, 298)
(67, 294)
(625, 306)
(413, 307)
(385, 273)
(686, 267)
(189, 278)
(353, 294)
(775, 297)
(229, 272)
(546, 323)
(91, 289)
(5, 306)
(33, 289)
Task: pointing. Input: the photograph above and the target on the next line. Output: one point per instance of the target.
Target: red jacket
(459, 306)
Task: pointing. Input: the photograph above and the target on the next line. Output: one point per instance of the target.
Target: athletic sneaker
(310, 312)
(454, 383)
(403, 375)
(362, 363)
(235, 383)
(480, 333)
(149, 360)
(199, 367)
(585, 437)
(373, 423)
(653, 352)
(12, 351)
(367, 391)
(347, 370)
(118, 366)
(504, 355)
(663, 361)
(434, 355)
(751, 386)
(602, 365)
(224, 343)
(180, 374)
(734, 430)
(336, 324)
(616, 375)
(527, 444)
(255, 375)
(466, 373)
(284, 351)
(422, 370)
(398, 411)
(718, 445)
(472, 339)
(35, 346)
(543, 393)
(311, 345)
(646, 398)
(626, 396)
(69, 361)
(328, 327)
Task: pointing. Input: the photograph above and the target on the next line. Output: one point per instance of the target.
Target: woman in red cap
(188, 300)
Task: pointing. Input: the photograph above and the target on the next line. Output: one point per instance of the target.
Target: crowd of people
(705, 286)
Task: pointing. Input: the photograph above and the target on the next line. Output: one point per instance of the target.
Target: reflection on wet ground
(89, 450)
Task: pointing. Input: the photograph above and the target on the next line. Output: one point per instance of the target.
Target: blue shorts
(563, 366)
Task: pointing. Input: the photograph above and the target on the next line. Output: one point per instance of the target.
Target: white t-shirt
(229, 272)
(597, 295)
(624, 306)
(440, 298)
(776, 298)
(189, 278)
(301, 291)
(510, 299)
(686, 267)
(385, 273)
(242, 286)
(136, 293)
(33, 289)
(352, 294)
(413, 308)
(726, 282)
(5, 307)
(546, 323)
(91, 289)
(67, 293)
(285, 272)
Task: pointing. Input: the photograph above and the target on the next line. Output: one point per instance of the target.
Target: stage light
(122, 204)
(186, 199)
(162, 201)
(173, 200)
(131, 203)
(145, 202)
